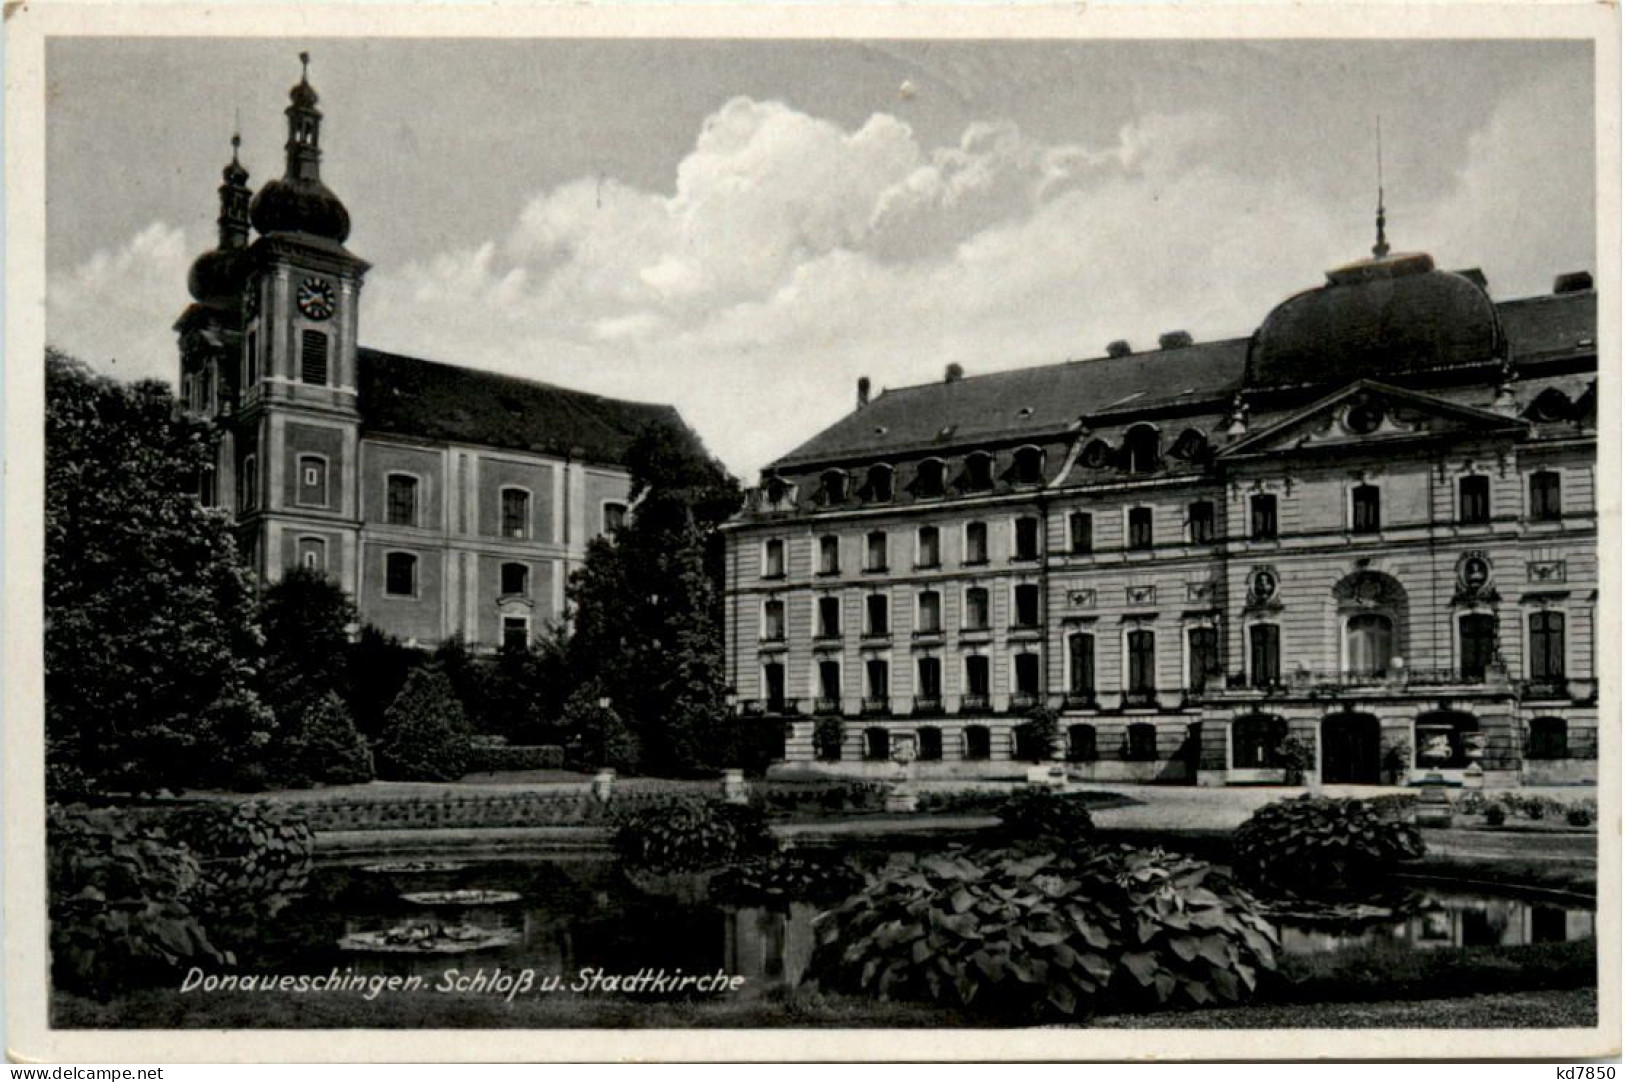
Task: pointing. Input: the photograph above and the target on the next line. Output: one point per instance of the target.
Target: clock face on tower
(316, 298)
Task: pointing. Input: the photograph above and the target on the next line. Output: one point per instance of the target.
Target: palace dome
(1376, 317)
(216, 277)
(299, 205)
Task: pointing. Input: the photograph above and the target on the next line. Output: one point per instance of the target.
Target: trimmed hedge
(502, 758)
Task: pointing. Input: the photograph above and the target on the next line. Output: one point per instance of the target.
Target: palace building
(446, 501)
(1360, 542)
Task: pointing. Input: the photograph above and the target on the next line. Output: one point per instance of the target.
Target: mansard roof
(1026, 403)
(408, 396)
(1004, 408)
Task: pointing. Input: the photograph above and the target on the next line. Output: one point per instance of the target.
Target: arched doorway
(1350, 749)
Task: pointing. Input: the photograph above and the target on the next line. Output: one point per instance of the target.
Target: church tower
(296, 425)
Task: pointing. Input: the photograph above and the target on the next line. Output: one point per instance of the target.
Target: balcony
(825, 706)
(876, 708)
(974, 702)
(1553, 687)
(784, 706)
(1140, 699)
(927, 704)
(1021, 701)
(1079, 700)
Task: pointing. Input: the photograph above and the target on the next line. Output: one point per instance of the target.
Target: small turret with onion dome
(216, 277)
(299, 202)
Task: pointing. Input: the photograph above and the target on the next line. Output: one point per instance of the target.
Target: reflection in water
(577, 914)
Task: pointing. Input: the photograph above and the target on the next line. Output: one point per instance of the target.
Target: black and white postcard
(942, 533)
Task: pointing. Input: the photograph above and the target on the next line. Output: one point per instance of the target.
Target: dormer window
(978, 471)
(879, 483)
(777, 489)
(1551, 405)
(832, 490)
(928, 481)
(1097, 455)
(1028, 468)
(1190, 445)
(1141, 453)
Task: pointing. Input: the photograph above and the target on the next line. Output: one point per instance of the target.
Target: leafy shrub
(1495, 815)
(687, 835)
(318, 743)
(1535, 808)
(814, 797)
(1580, 816)
(122, 899)
(1394, 805)
(598, 736)
(952, 801)
(499, 758)
(1297, 759)
(1041, 815)
(1320, 846)
(1050, 936)
(782, 878)
(425, 736)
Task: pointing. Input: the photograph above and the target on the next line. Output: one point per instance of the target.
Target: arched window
(876, 744)
(1477, 644)
(1080, 744)
(1097, 455)
(777, 489)
(400, 574)
(878, 485)
(1142, 742)
(1141, 453)
(1256, 742)
(1369, 644)
(515, 580)
(978, 742)
(930, 744)
(978, 472)
(1028, 467)
(1190, 445)
(1548, 738)
(928, 480)
(1551, 405)
(832, 488)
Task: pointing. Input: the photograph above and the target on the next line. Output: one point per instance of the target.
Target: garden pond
(564, 914)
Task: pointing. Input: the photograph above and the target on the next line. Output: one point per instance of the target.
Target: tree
(306, 618)
(469, 679)
(648, 605)
(597, 736)
(151, 638)
(425, 735)
(317, 743)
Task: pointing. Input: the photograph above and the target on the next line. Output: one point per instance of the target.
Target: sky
(743, 228)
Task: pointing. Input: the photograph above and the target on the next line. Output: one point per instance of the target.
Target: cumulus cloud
(792, 255)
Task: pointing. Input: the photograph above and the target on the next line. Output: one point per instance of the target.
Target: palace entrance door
(1350, 749)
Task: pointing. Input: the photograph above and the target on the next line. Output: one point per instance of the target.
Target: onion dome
(299, 202)
(216, 277)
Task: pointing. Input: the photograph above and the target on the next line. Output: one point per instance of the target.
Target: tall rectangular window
(401, 574)
(773, 559)
(1367, 509)
(929, 547)
(1080, 664)
(515, 632)
(773, 621)
(1026, 674)
(1477, 644)
(1142, 661)
(402, 500)
(1139, 528)
(976, 676)
(1026, 605)
(1473, 499)
(875, 552)
(976, 542)
(313, 358)
(930, 612)
(1081, 527)
(773, 678)
(248, 487)
(1204, 656)
(930, 678)
(1545, 496)
(1546, 646)
(878, 682)
(829, 618)
(976, 609)
(829, 683)
(312, 491)
(515, 580)
(515, 513)
(1264, 646)
(614, 517)
(313, 554)
(829, 555)
(1202, 527)
(251, 360)
(875, 605)
(1026, 538)
(1264, 524)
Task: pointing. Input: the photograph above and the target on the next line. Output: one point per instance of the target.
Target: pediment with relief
(1368, 412)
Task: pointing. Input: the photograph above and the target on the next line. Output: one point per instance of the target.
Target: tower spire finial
(304, 67)
(1380, 249)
